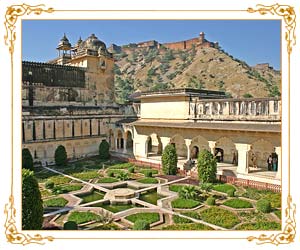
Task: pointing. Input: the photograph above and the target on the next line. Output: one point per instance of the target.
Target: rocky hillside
(202, 68)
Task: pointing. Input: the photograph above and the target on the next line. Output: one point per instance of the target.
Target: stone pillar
(125, 145)
(116, 143)
(212, 146)
(188, 144)
(164, 141)
(242, 157)
(278, 152)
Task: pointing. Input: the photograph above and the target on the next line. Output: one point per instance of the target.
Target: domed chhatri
(64, 43)
(93, 43)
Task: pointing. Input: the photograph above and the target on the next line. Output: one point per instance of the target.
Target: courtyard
(114, 195)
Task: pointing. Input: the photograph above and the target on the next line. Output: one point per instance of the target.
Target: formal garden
(103, 193)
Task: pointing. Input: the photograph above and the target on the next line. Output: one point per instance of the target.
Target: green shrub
(70, 225)
(187, 226)
(32, 204)
(27, 160)
(141, 225)
(207, 167)
(131, 170)
(223, 188)
(184, 203)
(211, 201)
(175, 188)
(148, 180)
(220, 217)
(60, 156)
(189, 192)
(123, 176)
(107, 180)
(149, 217)
(82, 217)
(104, 150)
(110, 174)
(49, 184)
(263, 205)
(148, 174)
(181, 220)
(169, 160)
(230, 192)
(86, 175)
(261, 225)
(238, 203)
(55, 202)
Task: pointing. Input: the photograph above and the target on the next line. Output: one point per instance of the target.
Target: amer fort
(70, 101)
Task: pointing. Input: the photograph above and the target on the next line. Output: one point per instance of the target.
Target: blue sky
(253, 41)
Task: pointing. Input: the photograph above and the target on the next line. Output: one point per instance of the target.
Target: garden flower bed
(83, 217)
(55, 202)
(185, 203)
(149, 217)
(237, 203)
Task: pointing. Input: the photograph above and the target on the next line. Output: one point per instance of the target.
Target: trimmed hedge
(27, 160)
(70, 225)
(60, 156)
(65, 189)
(125, 165)
(207, 167)
(184, 203)
(263, 205)
(169, 160)
(211, 201)
(104, 150)
(238, 203)
(148, 172)
(49, 184)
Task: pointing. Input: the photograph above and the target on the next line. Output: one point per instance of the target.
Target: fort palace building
(70, 101)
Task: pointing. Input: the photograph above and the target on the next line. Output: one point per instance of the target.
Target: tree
(32, 204)
(60, 156)
(207, 167)
(27, 161)
(104, 150)
(169, 160)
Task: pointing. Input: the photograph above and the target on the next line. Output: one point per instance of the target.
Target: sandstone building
(70, 101)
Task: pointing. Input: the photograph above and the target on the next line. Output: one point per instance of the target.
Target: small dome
(92, 42)
(64, 43)
(79, 42)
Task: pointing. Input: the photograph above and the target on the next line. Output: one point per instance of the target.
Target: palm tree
(189, 192)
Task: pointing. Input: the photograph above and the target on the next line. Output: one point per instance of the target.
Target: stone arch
(120, 139)
(153, 145)
(179, 142)
(227, 147)
(200, 142)
(129, 140)
(262, 149)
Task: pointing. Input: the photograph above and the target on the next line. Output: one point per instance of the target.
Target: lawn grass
(175, 188)
(278, 213)
(187, 226)
(61, 189)
(262, 225)
(85, 176)
(94, 196)
(107, 180)
(184, 203)
(117, 208)
(125, 165)
(59, 179)
(55, 202)
(219, 217)
(148, 180)
(115, 172)
(149, 217)
(237, 203)
(223, 188)
(82, 217)
(255, 194)
(150, 197)
(180, 220)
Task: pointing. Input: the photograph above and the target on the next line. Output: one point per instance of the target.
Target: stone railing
(236, 109)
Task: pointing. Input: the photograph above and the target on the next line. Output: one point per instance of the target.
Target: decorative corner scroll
(289, 231)
(289, 16)
(11, 17)
(11, 231)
